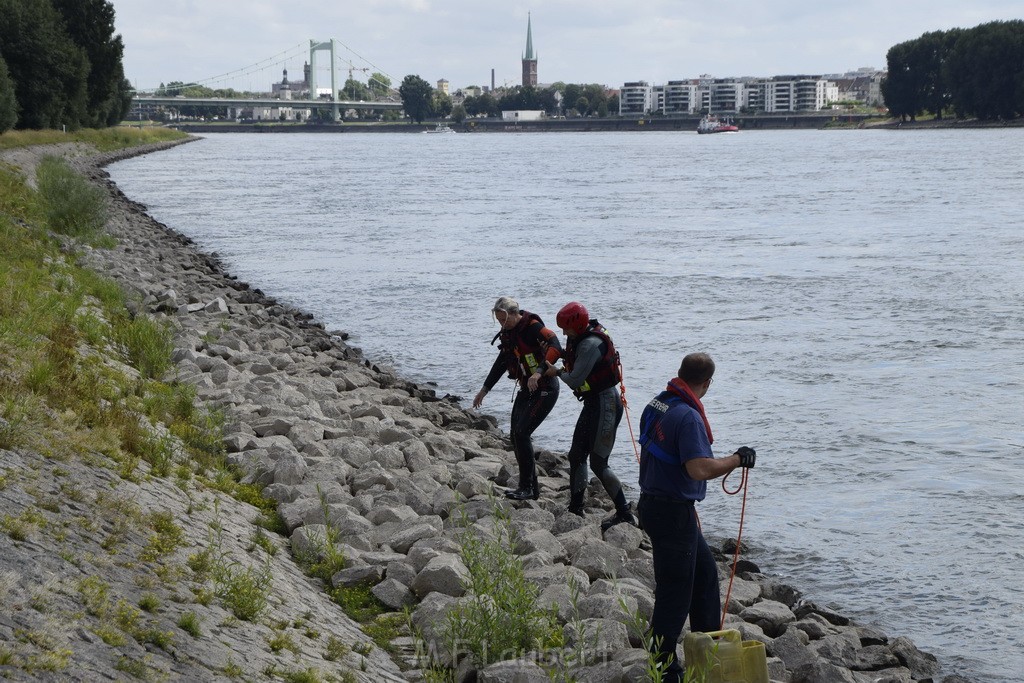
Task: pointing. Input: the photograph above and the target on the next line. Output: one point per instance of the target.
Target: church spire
(529, 58)
(529, 39)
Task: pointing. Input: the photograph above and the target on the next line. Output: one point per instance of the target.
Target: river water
(860, 291)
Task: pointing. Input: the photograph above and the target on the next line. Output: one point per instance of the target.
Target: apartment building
(728, 95)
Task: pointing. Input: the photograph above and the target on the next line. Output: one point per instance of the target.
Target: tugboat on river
(712, 124)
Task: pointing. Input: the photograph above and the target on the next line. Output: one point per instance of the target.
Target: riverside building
(777, 94)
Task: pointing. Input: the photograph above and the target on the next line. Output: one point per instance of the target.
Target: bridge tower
(314, 47)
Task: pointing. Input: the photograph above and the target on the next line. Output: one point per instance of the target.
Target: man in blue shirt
(675, 464)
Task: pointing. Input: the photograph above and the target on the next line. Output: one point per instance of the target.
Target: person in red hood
(676, 463)
(590, 367)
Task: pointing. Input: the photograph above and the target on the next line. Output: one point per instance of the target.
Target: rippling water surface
(861, 291)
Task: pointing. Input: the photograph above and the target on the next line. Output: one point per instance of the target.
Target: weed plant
(243, 590)
(502, 618)
(71, 205)
(145, 343)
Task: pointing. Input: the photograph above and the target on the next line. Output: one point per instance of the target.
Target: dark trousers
(594, 438)
(685, 576)
(528, 411)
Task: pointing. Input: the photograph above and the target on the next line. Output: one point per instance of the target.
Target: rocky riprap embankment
(339, 441)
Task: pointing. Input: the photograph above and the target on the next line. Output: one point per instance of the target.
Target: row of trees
(60, 65)
(967, 72)
(421, 101)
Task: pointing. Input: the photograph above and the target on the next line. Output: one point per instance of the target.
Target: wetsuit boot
(623, 513)
(576, 503)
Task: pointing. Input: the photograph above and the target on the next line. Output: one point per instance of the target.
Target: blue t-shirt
(680, 437)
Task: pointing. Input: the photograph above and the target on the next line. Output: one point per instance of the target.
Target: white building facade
(728, 95)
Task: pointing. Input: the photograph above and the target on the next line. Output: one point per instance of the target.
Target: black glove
(747, 456)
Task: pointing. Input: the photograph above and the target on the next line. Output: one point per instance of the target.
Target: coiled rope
(744, 480)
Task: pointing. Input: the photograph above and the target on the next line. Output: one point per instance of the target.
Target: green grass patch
(102, 139)
(190, 623)
(358, 602)
(72, 206)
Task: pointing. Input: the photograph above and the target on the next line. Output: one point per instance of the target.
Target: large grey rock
(805, 607)
(875, 658)
(305, 433)
(639, 597)
(620, 608)
(429, 618)
(921, 664)
(471, 485)
(598, 639)
(417, 457)
(791, 648)
(559, 597)
(344, 520)
(838, 648)
(513, 671)
(443, 574)
(744, 593)
(602, 672)
(357, 576)
(309, 541)
(443, 448)
(393, 435)
(382, 515)
(640, 569)
(390, 457)
(401, 571)
(353, 451)
(419, 556)
(216, 306)
(599, 560)
(628, 537)
(815, 626)
(769, 615)
(289, 469)
(401, 541)
(527, 519)
(822, 672)
(541, 540)
(559, 575)
(371, 476)
(578, 537)
(394, 594)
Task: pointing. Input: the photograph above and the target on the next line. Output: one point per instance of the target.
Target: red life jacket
(607, 371)
(524, 356)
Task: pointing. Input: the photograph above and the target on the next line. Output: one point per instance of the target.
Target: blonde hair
(506, 304)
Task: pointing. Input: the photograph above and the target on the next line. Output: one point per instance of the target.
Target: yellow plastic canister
(722, 657)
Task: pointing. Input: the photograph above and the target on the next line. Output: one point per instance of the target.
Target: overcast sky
(248, 42)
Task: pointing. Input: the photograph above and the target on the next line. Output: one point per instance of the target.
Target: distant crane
(352, 67)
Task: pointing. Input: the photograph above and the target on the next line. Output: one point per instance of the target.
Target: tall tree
(986, 71)
(90, 24)
(417, 96)
(903, 86)
(49, 71)
(354, 91)
(8, 103)
(441, 105)
(379, 84)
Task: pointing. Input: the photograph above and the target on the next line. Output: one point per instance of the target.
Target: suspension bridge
(311, 94)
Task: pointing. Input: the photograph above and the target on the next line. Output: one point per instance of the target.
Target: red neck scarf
(680, 389)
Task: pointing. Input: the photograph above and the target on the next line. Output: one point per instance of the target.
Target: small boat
(440, 128)
(712, 124)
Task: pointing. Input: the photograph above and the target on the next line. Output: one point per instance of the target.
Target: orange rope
(739, 536)
(629, 420)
